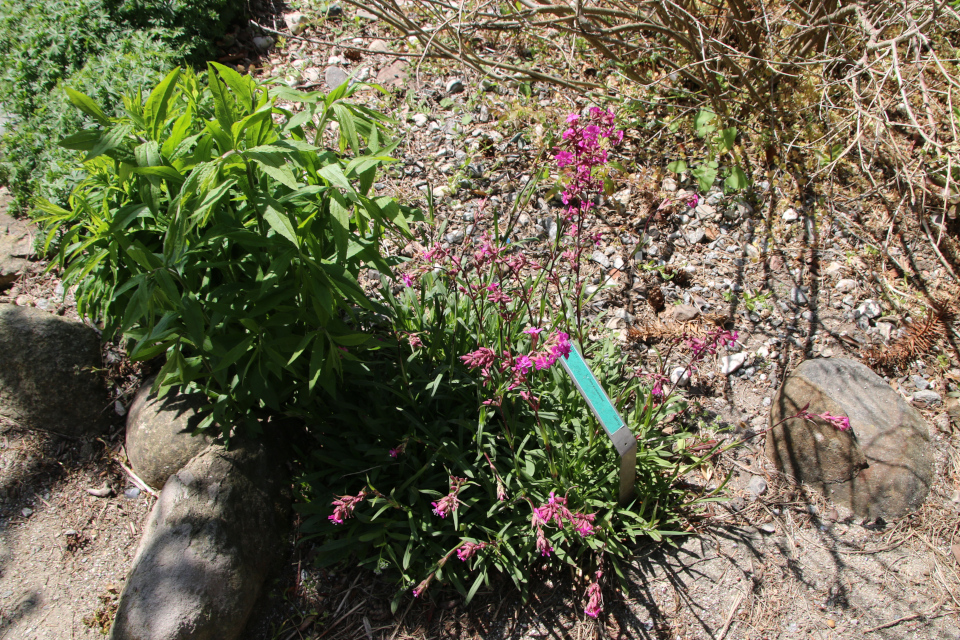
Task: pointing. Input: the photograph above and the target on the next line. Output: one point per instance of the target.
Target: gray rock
(846, 285)
(868, 309)
(216, 532)
(455, 86)
(757, 486)
(790, 216)
(680, 376)
(160, 433)
(394, 75)
(669, 185)
(48, 376)
(881, 467)
(695, 236)
(684, 312)
(16, 244)
(312, 75)
(797, 296)
(928, 398)
(366, 15)
(296, 22)
(600, 259)
(919, 382)
(730, 363)
(380, 46)
(335, 76)
(262, 43)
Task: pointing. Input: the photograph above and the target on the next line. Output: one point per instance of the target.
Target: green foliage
(105, 48)
(719, 143)
(210, 231)
(425, 416)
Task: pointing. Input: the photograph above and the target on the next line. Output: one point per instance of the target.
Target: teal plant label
(620, 435)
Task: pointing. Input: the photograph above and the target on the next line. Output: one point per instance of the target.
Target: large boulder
(214, 535)
(48, 372)
(161, 435)
(881, 468)
(16, 243)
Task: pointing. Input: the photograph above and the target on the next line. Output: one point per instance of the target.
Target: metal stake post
(614, 426)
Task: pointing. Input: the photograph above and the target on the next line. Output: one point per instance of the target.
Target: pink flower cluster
(840, 423)
(343, 507)
(594, 598)
(700, 347)
(555, 511)
(518, 366)
(586, 141)
(449, 503)
(469, 549)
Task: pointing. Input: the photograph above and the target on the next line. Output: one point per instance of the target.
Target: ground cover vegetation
(102, 48)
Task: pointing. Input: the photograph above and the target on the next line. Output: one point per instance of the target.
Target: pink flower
(522, 364)
(469, 549)
(482, 358)
(533, 331)
(449, 503)
(415, 341)
(420, 588)
(407, 280)
(563, 159)
(561, 346)
(583, 523)
(840, 423)
(573, 117)
(501, 490)
(343, 507)
(531, 400)
(594, 598)
(542, 545)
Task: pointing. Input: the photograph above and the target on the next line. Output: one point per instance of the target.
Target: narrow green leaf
(155, 109)
(88, 106)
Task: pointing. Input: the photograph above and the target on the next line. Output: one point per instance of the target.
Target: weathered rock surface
(213, 537)
(47, 372)
(394, 75)
(16, 244)
(882, 467)
(160, 438)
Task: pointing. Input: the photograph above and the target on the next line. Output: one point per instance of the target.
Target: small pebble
(26, 512)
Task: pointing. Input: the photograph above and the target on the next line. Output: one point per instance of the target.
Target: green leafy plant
(211, 232)
(485, 462)
(104, 48)
(719, 142)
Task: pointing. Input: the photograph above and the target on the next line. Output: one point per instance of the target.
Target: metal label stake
(602, 407)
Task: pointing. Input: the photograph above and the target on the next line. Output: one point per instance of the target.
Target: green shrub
(32, 161)
(104, 48)
(211, 234)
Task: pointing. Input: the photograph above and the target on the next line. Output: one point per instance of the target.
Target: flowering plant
(486, 450)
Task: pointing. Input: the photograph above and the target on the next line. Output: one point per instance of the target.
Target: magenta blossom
(482, 358)
(449, 503)
(543, 546)
(533, 331)
(343, 507)
(420, 588)
(407, 280)
(469, 549)
(414, 341)
(840, 423)
(594, 598)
